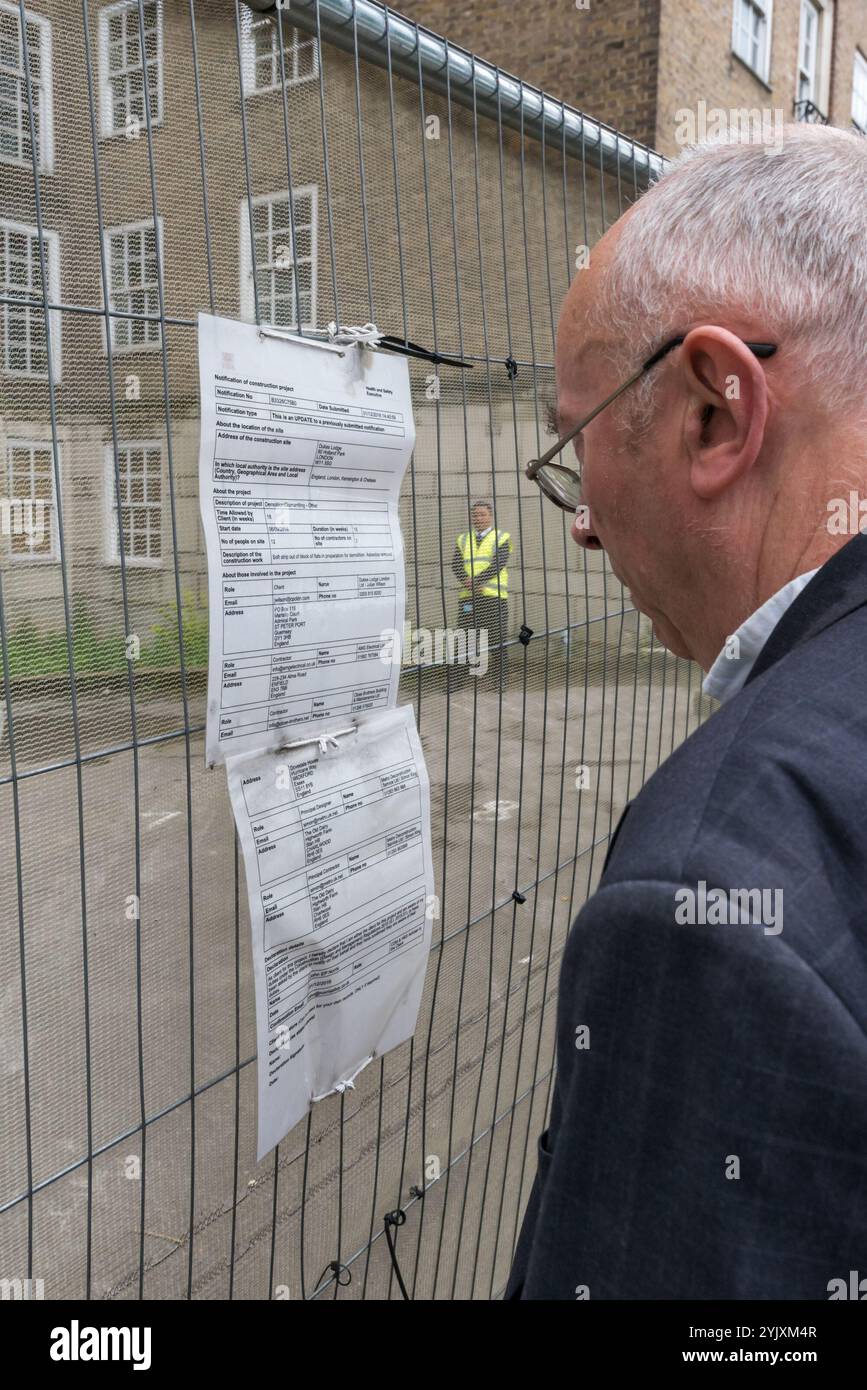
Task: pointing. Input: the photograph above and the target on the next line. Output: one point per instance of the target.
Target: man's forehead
(578, 343)
(579, 363)
(576, 352)
(578, 346)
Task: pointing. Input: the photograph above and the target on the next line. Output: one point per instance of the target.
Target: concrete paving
(456, 1112)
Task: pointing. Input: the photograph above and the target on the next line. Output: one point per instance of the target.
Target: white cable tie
(346, 1085)
(321, 739)
(307, 339)
(367, 334)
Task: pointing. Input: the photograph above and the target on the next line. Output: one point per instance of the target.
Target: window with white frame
(133, 270)
(124, 77)
(808, 52)
(751, 34)
(24, 344)
(278, 270)
(139, 524)
(859, 92)
(260, 49)
(30, 509)
(15, 145)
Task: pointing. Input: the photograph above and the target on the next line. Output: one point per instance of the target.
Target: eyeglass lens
(560, 485)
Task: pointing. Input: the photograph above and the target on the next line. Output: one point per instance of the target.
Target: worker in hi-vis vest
(480, 564)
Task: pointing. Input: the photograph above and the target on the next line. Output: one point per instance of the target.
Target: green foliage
(162, 649)
(33, 653)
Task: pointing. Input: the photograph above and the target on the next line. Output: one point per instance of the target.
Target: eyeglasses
(562, 484)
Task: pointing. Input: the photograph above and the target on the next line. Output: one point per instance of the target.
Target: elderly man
(708, 1132)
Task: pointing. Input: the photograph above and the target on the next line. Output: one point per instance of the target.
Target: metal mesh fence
(335, 167)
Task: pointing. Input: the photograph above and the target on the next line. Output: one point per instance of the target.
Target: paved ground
(468, 1097)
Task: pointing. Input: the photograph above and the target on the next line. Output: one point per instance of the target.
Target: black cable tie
(519, 897)
(395, 1218)
(525, 634)
(335, 1268)
(511, 368)
(409, 349)
(416, 1192)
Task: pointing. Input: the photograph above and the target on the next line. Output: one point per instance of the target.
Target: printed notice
(337, 853)
(302, 454)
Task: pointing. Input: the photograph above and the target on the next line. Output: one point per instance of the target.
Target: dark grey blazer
(711, 1141)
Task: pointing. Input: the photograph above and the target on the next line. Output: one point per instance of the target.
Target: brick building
(329, 191)
(637, 63)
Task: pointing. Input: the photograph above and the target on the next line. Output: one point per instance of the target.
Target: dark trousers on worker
(490, 619)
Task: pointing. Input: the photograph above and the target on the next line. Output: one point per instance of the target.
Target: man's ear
(725, 423)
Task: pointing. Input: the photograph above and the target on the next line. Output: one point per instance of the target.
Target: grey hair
(778, 233)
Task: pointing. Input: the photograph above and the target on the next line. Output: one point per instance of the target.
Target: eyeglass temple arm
(538, 463)
(759, 349)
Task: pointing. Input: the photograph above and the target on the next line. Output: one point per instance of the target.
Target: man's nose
(582, 530)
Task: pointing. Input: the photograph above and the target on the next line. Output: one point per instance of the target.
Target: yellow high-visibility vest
(478, 556)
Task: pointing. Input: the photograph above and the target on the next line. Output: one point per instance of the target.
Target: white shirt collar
(728, 673)
(480, 535)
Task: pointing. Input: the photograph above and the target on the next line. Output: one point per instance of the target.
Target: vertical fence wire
(127, 627)
(67, 614)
